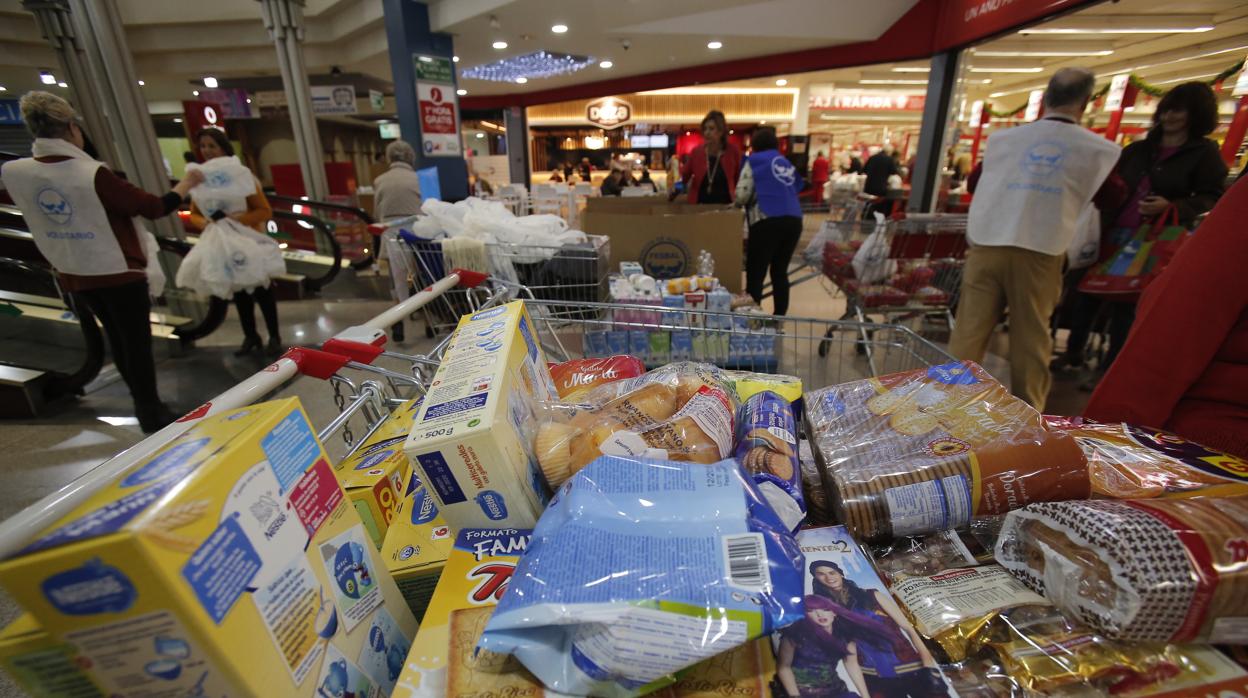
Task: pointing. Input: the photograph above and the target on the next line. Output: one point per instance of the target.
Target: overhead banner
(328, 100)
(234, 102)
(1117, 90)
(1034, 99)
(438, 107)
(846, 100)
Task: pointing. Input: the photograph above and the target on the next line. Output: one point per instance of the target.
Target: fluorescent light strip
(1186, 79)
(912, 69)
(723, 91)
(1024, 53)
(1005, 70)
(1177, 60)
(892, 82)
(1118, 30)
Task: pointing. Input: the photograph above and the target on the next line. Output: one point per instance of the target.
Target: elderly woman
(396, 192)
(81, 215)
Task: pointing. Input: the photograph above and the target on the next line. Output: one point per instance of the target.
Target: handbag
(1130, 270)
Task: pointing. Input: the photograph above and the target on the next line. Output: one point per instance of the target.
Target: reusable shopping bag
(1140, 260)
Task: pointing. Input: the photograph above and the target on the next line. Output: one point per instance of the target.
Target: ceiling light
(1118, 30)
(606, 64)
(522, 80)
(500, 45)
(559, 28)
(1186, 79)
(781, 82)
(47, 78)
(461, 92)
(62, 84)
(1026, 53)
(210, 82)
(912, 69)
(195, 92)
(892, 82)
(3, 88)
(249, 100)
(1006, 70)
(531, 66)
(426, 59)
(455, 59)
(177, 119)
(141, 83)
(480, 135)
(764, 121)
(714, 45)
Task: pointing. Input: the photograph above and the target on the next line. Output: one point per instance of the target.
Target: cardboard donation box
(666, 238)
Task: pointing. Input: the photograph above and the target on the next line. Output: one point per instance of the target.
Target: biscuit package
(640, 568)
(1128, 462)
(928, 449)
(767, 449)
(1147, 570)
(573, 379)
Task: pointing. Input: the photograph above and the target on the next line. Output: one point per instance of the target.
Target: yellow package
(748, 384)
(41, 665)
(375, 475)
(471, 438)
(227, 563)
(416, 546)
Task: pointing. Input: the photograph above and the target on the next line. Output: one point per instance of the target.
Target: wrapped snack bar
(926, 450)
(640, 568)
(1141, 570)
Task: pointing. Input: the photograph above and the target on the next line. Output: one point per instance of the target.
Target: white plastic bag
(1085, 247)
(155, 275)
(871, 263)
(230, 257)
(226, 186)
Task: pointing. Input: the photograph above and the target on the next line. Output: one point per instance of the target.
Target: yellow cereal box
(416, 546)
(374, 476)
(229, 563)
(41, 665)
(471, 439)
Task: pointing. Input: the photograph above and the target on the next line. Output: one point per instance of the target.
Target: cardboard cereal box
(228, 563)
(417, 545)
(445, 664)
(375, 475)
(471, 439)
(40, 665)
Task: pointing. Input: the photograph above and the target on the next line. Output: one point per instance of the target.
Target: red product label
(315, 496)
(1202, 564)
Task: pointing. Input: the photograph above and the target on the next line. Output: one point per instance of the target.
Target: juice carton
(675, 301)
(417, 545)
(696, 300)
(471, 438)
(227, 563)
(639, 344)
(617, 342)
(719, 301)
(443, 662)
(595, 343)
(660, 348)
(682, 345)
(375, 475)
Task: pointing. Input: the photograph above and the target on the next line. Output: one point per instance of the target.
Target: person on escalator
(81, 215)
(213, 144)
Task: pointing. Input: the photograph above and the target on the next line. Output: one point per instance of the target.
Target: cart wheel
(826, 343)
(396, 332)
(860, 346)
(428, 332)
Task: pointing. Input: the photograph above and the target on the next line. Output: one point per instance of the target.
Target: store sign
(233, 102)
(328, 100)
(388, 130)
(433, 69)
(439, 120)
(608, 112)
(1034, 99)
(268, 98)
(977, 112)
(1117, 91)
(377, 100)
(966, 21)
(10, 113)
(841, 100)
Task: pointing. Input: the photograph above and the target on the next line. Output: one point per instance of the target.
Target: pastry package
(926, 450)
(818, 511)
(573, 379)
(981, 677)
(684, 414)
(1171, 570)
(1129, 462)
(767, 448)
(640, 568)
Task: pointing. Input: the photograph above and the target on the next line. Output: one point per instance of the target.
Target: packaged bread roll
(925, 450)
(1148, 570)
(574, 379)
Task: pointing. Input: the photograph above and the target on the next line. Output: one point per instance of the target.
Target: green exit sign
(433, 69)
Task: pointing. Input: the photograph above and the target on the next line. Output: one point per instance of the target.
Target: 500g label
(434, 433)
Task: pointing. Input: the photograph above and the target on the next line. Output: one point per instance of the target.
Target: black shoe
(152, 418)
(250, 344)
(274, 346)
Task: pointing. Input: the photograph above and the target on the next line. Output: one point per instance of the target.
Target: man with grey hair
(1036, 180)
(396, 192)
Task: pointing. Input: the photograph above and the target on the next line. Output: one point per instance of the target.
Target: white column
(801, 115)
(284, 20)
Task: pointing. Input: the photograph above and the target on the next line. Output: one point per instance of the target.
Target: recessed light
(522, 80)
(249, 100)
(714, 45)
(195, 92)
(781, 82)
(141, 83)
(461, 92)
(3, 88)
(499, 45)
(210, 82)
(455, 59)
(559, 28)
(764, 122)
(62, 84)
(177, 119)
(480, 135)
(605, 64)
(47, 78)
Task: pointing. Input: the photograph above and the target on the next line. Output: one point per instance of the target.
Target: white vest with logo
(65, 215)
(1037, 179)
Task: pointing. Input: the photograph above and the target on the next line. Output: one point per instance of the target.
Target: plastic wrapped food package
(926, 450)
(766, 440)
(981, 678)
(573, 379)
(1142, 570)
(1129, 462)
(639, 568)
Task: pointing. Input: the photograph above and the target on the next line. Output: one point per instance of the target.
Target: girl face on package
(830, 578)
(822, 617)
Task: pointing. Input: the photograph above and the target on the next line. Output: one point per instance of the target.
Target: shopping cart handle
(316, 363)
(376, 228)
(409, 237)
(356, 351)
(469, 278)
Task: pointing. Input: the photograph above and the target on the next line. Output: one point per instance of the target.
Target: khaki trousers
(1030, 285)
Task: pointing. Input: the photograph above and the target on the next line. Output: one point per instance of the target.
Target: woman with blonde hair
(81, 215)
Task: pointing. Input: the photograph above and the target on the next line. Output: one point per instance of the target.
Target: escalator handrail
(322, 228)
(362, 263)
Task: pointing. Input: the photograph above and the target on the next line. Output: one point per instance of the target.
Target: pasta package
(926, 450)
(575, 378)
(767, 448)
(1171, 570)
(1129, 462)
(682, 415)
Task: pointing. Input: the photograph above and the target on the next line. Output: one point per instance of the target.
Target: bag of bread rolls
(925, 450)
(1129, 462)
(1173, 570)
(574, 379)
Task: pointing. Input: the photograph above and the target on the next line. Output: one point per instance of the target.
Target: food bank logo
(54, 205)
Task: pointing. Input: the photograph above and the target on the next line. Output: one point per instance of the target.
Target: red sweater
(693, 170)
(1184, 366)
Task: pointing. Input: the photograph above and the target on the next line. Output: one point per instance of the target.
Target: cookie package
(926, 450)
(767, 448)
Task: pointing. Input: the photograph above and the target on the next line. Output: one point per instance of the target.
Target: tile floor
(43, 454)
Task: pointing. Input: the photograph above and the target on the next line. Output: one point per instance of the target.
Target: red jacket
(693, 170)
(819, 170)
(1184, 366)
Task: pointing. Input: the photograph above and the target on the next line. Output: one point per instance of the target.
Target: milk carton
(227, 563)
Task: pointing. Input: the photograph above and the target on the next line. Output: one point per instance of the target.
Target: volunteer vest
(775, 184)
(65, 215)
(1036, 180)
